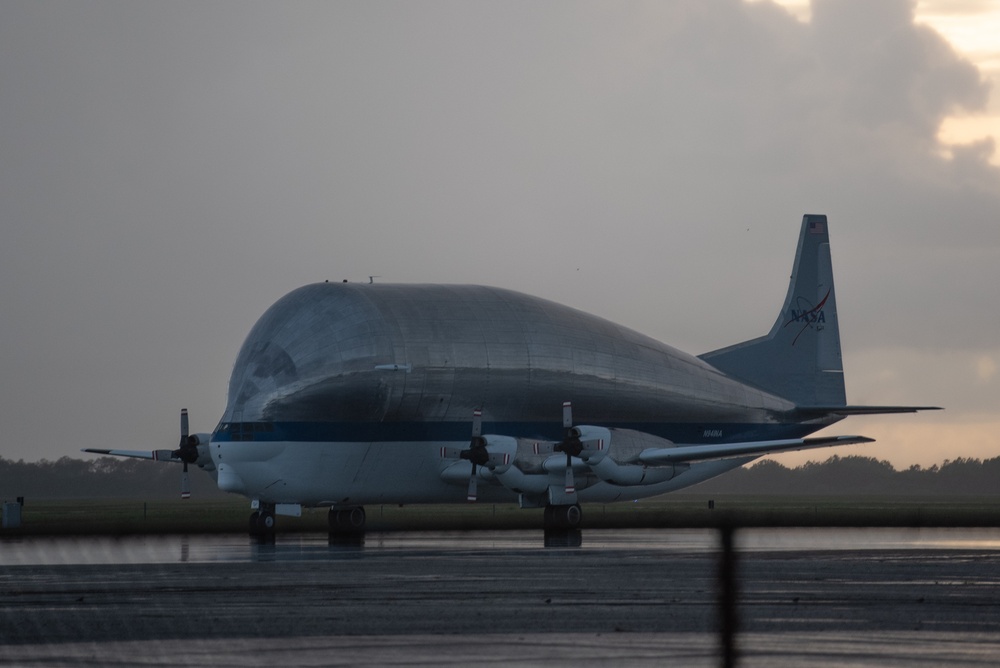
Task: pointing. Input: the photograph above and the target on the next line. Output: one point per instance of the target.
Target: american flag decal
(817, 227)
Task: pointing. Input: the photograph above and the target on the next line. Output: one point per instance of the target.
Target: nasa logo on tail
(809, 316)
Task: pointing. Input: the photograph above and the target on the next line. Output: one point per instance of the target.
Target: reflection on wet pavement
(822, 597)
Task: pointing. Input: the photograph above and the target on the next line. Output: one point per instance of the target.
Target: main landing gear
(563, 517)
(562, 526)
(347, 526)
(348, 521)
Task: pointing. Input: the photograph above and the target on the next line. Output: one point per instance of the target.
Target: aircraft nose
(229, 480)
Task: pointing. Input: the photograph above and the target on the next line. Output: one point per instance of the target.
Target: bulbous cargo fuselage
(398, 356)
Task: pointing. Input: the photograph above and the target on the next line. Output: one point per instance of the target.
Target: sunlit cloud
(971, 28)
(800, 9)
(986, 368)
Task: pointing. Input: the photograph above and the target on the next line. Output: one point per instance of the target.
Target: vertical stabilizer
(799, 359)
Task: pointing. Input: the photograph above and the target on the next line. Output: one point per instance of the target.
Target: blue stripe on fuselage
(363, 432)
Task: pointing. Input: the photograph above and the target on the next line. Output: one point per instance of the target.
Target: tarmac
(476, 598)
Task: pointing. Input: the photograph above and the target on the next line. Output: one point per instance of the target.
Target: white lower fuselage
(335, 474)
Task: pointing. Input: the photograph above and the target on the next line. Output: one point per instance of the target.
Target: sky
(169, 170)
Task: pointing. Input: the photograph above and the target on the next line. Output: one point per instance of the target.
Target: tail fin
(799, 359)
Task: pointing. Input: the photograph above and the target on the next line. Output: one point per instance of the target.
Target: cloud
(890, 71)
(169, 171)
(986, 368)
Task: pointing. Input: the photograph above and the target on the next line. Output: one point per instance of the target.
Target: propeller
(570, 444)
(187, 452)
(478, 454)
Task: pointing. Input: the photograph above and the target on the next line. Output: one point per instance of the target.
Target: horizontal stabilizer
(158, 455)
(701, 453)
(808, 412)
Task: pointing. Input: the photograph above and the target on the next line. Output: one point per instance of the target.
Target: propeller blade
(567, 446)
(570, 483)
(543, 448)
(477, 423)
(185, 483)
(471, 497)
(184, 425)
(498, 459)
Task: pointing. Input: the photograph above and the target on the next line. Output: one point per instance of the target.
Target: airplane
(351, 394)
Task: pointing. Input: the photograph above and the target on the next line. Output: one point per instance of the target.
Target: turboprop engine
(549, 469)
(612, 454)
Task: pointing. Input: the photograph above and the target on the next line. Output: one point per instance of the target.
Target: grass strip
(105, 517)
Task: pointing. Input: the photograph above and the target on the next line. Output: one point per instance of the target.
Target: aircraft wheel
(261, 523)
(563, 517)
(573, 516)
(347, 520)
(254, 523)
(356, 518)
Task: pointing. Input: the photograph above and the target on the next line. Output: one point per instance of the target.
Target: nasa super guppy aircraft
(346, 394)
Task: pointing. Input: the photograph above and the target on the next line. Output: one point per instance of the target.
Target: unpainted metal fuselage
(344, 393)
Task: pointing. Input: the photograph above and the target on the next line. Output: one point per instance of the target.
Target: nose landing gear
(262, 521)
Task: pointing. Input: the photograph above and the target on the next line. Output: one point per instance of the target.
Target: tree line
(113, 478)
(102, 478)
(856, 475)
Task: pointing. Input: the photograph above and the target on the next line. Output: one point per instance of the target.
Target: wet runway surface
(641, 597)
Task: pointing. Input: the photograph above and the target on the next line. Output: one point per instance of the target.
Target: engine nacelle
(518, 481)
(195, 451)
(627, 475)
(502, 450)
(596, 442)
(614, 464)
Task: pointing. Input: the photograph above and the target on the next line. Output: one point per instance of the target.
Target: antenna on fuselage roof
(371, 279)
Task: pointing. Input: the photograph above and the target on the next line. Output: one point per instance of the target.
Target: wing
(701, 453)
(810, 412)
(157, 455)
